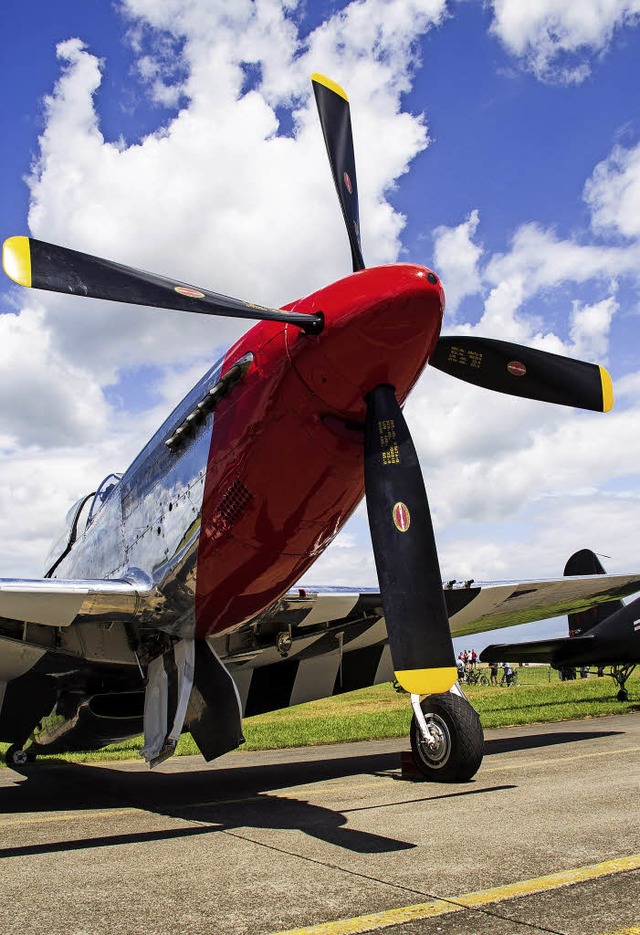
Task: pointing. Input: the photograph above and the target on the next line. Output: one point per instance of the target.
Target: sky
(497, 142)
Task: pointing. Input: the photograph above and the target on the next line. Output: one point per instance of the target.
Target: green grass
(380, 711)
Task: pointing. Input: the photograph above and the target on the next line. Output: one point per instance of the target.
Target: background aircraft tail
(586, 562)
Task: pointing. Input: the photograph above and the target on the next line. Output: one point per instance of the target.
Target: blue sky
(498, 142)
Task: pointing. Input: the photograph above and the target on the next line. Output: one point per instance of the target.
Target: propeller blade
(40, 265)
(335, 119)
(524, 371)
(405, 551)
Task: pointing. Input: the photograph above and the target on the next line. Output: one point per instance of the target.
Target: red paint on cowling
(275, 440)
(382, 326)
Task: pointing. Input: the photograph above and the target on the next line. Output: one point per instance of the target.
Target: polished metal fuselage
(150, 520)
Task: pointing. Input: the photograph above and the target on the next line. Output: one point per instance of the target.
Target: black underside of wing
(559, 651)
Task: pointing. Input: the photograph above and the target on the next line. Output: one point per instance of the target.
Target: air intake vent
(209, 402)
(234, 502)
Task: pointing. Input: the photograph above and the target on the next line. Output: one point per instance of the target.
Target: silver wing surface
(44, 621)
(56, 602)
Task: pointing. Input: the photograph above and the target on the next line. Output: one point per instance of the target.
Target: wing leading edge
(58, 602)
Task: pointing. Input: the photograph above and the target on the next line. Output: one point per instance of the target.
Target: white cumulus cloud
(557, 39)
(613, 192)
(457, 258)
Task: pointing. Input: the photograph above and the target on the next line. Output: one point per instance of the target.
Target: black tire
(458, 754)
(484, 680)
(16, 756)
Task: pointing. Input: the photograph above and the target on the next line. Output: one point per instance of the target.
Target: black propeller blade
(399, 517)
(524, 371)
(40, 265)
(405, 551)
(335, 118)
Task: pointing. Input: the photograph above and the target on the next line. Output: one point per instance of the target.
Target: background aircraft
(166, 603)
(606, 635)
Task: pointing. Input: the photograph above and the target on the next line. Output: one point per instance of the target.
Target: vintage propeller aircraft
(167, 602)
(607, 635)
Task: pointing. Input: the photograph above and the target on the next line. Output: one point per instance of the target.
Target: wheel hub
(436, 747)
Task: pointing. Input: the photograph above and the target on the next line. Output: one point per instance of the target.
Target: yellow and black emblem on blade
(516, 368)
(401, 517)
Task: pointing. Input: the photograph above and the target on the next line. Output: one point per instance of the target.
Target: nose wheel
(18, 756)
(449, 744)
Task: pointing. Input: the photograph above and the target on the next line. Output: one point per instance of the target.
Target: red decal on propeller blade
(401, 517)
(516, 369)
(347, 182)
(190, 293)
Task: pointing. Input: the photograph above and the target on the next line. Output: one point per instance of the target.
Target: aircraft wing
(57, 602)
(537, 650)
(480, 607)
(472, 607)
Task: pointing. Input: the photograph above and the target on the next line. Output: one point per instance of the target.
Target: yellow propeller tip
(328, 83)
(16, 260)
(607, 390)
(427, 681)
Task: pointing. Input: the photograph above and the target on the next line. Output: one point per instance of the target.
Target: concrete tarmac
(546, 838)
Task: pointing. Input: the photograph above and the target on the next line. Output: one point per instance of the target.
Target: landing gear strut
(446, 737)
(621, 674)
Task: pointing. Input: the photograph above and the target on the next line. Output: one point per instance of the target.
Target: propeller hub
(381, 326)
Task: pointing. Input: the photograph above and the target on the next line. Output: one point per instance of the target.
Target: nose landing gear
(621, 674)
(446, 737)
(18, 756)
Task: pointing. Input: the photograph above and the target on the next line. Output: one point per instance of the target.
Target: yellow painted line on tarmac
(527, 764)
(327, 790)
(72, 816)
(496, 894)
(291, 794)
(634, 930)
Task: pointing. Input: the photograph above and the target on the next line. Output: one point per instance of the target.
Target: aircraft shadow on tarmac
(223, 799)
(229, 798)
